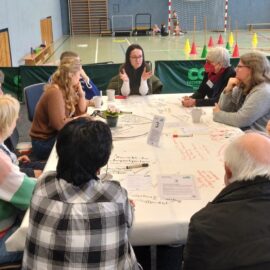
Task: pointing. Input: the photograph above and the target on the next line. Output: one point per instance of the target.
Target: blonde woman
(245, 101)
(15, 187)
(63, 100)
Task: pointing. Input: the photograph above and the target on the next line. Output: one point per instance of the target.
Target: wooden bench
(251, 25)
(39, 57)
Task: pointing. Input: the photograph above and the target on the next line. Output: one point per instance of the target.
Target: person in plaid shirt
(76, 220)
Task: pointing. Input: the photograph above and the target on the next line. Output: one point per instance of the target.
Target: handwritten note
(206, 179)
(192, 151)
(118, 162)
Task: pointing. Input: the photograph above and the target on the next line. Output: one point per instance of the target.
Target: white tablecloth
(159, 220)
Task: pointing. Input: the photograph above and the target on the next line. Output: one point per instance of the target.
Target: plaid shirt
(79, 227)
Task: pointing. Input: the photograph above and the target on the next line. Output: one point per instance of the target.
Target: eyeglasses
(136, 57)
(241, 66)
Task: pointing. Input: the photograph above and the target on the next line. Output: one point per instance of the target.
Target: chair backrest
(32, 94)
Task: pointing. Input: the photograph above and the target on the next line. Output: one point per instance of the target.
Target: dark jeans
(167, 257)
(28, 168)
(42, 148)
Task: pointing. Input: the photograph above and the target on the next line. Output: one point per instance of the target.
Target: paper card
(156, 130)
(138, 182)
(181, 187)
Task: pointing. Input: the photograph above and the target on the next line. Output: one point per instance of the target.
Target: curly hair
(62, 78)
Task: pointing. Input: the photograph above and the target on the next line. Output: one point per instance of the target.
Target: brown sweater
(51, 114)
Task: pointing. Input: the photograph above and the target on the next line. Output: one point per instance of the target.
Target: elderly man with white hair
(233, 231)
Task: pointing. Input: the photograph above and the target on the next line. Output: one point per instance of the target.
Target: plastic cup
(196, 114)
(110, 94)
(97, 101)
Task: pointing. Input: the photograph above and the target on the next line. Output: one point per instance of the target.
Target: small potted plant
(111, 115)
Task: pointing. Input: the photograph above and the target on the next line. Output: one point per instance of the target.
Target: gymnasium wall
(248, 11)
(22, 18)
(157, 8)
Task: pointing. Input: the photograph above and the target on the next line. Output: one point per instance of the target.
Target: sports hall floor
(96, 49)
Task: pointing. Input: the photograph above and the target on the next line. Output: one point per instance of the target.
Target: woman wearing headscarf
(135, 76)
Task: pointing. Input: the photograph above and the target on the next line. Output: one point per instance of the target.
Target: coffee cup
(196, 114)
(110, 94)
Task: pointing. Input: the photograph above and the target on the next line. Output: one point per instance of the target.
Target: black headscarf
(134, 74)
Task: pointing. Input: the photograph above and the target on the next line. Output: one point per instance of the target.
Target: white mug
(196, 114)
(110, 94)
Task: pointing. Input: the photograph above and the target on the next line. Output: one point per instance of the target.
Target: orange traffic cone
(193, 49)
(220, 40)
(211, 42)
(235, 51)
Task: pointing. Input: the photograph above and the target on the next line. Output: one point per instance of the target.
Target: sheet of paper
(138, 182)
(177, 187)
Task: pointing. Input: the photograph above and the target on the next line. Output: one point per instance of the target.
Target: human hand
(123, 75)
(79, 90)
(146, 74)
(231, 84)
(188, 102)
(37, 173)
(91, 103)
(24, 159)
(268, 127)
(216, 108)
(132, 203)
(84, 76)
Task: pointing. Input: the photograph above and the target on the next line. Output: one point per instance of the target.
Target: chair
(32, 94)
(11, 266)
(20, 148)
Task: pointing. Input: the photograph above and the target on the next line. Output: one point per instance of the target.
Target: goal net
(213, 10)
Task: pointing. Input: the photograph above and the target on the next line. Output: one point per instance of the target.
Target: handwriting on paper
(206, 179)
(118, 163)
(152, 199)
(192, 151)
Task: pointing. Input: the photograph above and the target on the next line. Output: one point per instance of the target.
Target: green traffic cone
(228, 47)
(204, 52)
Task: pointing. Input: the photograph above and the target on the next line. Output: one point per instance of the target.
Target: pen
(125, 112)
(137, 166)
(182, 135)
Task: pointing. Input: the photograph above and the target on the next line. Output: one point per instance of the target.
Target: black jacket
(233, 231)
(213, 93)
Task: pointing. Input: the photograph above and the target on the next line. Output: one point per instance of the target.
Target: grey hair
(219, 55)
(243, 165)
(259, 66)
